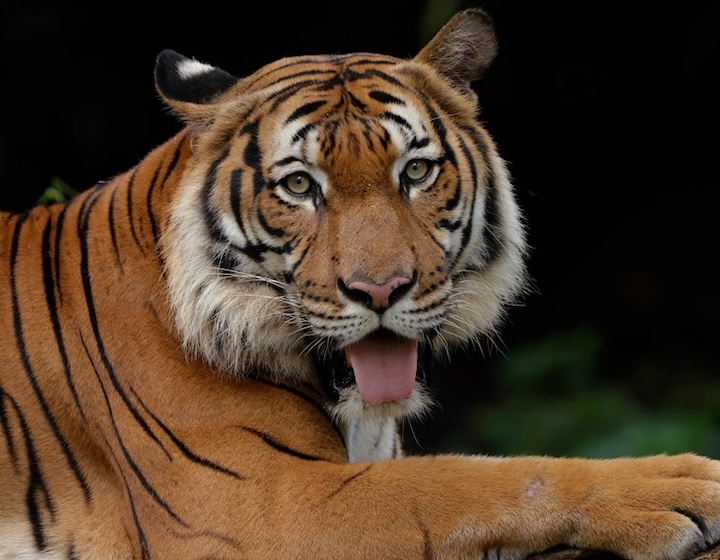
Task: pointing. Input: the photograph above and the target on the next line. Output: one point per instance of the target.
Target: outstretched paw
(654, 508)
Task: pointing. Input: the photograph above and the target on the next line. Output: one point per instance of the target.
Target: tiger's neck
(101, 250)
(137, 203)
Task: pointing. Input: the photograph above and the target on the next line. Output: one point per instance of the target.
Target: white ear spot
(190, 68)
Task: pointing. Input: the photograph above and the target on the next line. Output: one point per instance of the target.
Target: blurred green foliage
(552, 397)
(58, 191)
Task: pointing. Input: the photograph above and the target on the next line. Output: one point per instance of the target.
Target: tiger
(208, 356)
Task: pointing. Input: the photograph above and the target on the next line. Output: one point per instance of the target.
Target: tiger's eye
(298, 183)
(417, 169)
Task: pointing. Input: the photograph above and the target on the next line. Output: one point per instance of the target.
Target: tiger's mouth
(383, 366)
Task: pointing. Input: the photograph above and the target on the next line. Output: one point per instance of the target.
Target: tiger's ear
(189, 87)
(463, 49)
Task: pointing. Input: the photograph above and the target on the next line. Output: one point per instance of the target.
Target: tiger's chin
(351, 407)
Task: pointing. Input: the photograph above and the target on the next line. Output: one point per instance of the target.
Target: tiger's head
(343, 218)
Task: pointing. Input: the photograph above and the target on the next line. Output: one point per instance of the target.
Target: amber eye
(299, 183)
(417, 169)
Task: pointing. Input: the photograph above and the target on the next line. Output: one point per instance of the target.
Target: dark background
(607, 116)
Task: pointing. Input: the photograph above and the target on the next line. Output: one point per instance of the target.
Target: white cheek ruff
(484, 290)
(233, 319)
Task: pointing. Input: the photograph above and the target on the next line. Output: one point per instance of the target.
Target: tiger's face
(343, 219)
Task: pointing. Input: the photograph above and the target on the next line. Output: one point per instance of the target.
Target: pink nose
(378, 296)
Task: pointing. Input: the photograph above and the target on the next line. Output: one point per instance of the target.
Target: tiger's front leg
(451, 507)
(291, 504)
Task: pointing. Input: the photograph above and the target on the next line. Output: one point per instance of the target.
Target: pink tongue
(384, 366)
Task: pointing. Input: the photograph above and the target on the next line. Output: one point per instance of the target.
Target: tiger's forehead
(332, 105)
(328, 70)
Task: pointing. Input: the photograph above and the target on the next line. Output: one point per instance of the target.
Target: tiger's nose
(377, 297)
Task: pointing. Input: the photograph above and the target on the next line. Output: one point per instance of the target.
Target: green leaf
(58, 191)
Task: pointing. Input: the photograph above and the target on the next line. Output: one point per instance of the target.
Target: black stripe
(397, 119)
(236, 198)
(253, 157)
(113, 234)
(467, 230)
(329, 142)
(493, 218)
(448, 153)
(280, 96)
(145, 551)
(445, 223)
(35, 480)
(286, 161)
(137, 471)
(348, 480)
(298, 393)
(130, 212)
(491, 233)
(396, 450)
(25, 359)
(379, 60)
(438, 124)
(277, 232)
(302, 133)
(58, 253)
(211, 220)
(452, 202)
(36, 485)
(173, 162)
(5, 423)
(385, 97)
(352, 75)
(421, 143)
(305, 110)
(304, 253)
(90, 304)
(428, 552)
(183, 448)
(355, 102)
(288, 77)
(148, 204)
(279, 446)
(49, 283)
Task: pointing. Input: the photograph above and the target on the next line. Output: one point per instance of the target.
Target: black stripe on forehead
(303, 110)
(385, 97)
(313, 66)
(417, 138)
(398, 120)
(319, 71)
(331, 74)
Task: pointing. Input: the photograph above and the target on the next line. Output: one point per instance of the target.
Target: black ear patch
(180, 78)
